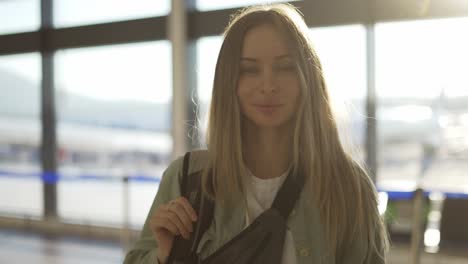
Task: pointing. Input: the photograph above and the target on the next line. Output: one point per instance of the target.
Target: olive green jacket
(229, 220)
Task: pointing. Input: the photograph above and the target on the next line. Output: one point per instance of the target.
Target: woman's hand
(169, 220)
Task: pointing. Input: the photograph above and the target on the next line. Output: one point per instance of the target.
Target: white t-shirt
(260, 194)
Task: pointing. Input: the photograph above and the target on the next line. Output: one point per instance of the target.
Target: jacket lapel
(229, 220)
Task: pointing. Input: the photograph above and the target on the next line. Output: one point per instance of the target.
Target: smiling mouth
(267, 108)
(267, 105)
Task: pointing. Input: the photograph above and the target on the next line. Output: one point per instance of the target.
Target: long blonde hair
(340, 187)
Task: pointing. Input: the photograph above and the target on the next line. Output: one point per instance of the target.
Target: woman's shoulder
(199, 159)
(169, 187)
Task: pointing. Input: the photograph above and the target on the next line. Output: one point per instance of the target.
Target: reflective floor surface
(16, 247)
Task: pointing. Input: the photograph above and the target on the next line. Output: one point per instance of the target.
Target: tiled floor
(27, 248)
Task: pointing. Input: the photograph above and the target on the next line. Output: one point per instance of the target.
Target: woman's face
(268, 87)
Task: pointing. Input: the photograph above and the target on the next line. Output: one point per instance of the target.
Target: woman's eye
(286, 68)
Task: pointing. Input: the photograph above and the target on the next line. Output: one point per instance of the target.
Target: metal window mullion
(371, 98)
(48, 143)
(192, 102)
(183, 106)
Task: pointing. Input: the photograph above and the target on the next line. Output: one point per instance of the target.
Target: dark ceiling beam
(320, 13)
(317, 13)
(148, 29)
(208, 23)
(212, 23)
(20, 43)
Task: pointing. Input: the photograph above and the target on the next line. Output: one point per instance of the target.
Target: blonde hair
(340, 187)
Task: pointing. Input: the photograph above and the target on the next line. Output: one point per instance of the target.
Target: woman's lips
(267, 108)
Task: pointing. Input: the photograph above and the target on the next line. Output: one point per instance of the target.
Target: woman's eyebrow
(279, 57)
(248, 59)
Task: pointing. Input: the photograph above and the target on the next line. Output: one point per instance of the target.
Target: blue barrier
(50, 177)
(53, 178)
(397, 195)
(141, 178)
(456, 195)
(408, 195)
(11, 174)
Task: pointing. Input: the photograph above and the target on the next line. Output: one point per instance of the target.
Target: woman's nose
(268, 82)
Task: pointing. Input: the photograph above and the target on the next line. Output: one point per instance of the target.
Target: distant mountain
(21, 98)
(452, 104)
(18, 96)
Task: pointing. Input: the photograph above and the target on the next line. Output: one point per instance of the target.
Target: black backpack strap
(184, 251)
(288, 194)
(184, 183)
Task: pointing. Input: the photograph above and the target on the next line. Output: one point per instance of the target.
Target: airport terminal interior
(98, 97)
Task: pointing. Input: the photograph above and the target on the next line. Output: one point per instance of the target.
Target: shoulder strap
(184, 251)
(185, 167)
(288, 194)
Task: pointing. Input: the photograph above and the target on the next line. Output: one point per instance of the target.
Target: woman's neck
(267, 151)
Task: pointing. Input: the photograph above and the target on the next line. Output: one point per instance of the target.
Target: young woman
(271, 114)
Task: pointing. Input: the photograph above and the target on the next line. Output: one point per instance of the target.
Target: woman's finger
(163, 222)
(187, 207)
(179, 210)
(167, 218)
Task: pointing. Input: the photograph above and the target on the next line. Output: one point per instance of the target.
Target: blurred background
(97, 97)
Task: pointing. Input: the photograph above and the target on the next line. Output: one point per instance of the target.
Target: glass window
(344, 68)
(114, 120)
(69, 13)
(20, 184)
(19, 16)
(207, 53)
(206, 5)
(423, 96)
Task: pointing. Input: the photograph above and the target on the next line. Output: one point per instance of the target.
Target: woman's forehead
(264, 41)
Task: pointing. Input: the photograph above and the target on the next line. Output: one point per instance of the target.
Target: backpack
(261, 242)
